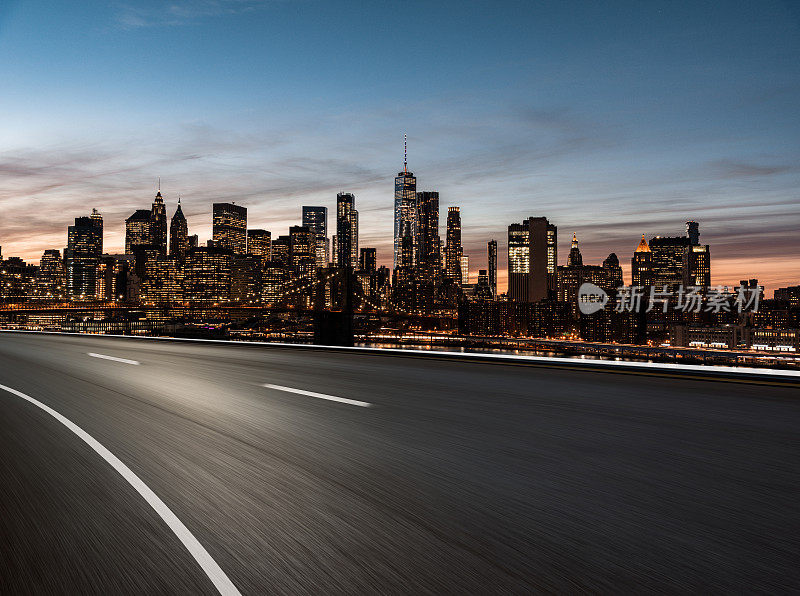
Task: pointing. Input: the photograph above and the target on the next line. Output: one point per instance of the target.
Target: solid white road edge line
(200, 554)
(344, 400)
(114, 358)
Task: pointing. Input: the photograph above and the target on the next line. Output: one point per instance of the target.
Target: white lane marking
(114, 358)
(200, 554)
(344, 400)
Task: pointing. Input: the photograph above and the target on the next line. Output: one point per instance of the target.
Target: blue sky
(612, 120)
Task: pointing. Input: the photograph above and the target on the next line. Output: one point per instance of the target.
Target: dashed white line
(344, 400)
(114, 358)
(200, 554)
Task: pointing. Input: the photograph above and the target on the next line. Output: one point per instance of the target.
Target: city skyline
(605, 135)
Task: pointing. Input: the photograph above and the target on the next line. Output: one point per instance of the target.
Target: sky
(612, 120)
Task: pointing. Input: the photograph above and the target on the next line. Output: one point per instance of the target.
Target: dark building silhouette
(158, 224)
(178, 235)
(491, 254)
(369, 260)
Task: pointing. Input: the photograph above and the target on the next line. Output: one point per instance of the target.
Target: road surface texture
(437, 476)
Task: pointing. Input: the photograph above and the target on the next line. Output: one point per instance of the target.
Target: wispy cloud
(183, 12)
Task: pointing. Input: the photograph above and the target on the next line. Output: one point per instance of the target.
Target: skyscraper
(259, 243)
(612, 266)
(464, 267)
(158, 223)
(693, 232)
(696, 259)
(230, 227)
(137, 231)
(178, 234)
(491, 250)
(50, 278)
(82, 255)
(301, 250)
(532, 260)
(346, 230)
(575, 259)
(642, 265)
(369, 260)
(668, 253)
(429, 259)
(316, 220)
(405, 206)
(453, 251)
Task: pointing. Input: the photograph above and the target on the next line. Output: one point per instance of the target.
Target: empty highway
(206, 468)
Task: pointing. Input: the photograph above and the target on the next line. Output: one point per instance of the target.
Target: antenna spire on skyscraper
(405, 153)
(159, 184)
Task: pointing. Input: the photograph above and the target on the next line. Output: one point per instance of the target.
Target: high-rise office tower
(369, 260)
(97, 222)
(280, 250)
(259, 243)
(82, 255)
(575, 259)
(316, 220)
(50, 278)
(346, 230)
(137, 230)
(668, 255)
(464, 266)
(178, 234)
(697, 266)
(158, 223)
(429, 259)
(405, 206)
(208, 274)
(696, 259)
(301, 250)
(532, 260)
(453, 250)
(230, 227)
(491, 254)
(642, 265)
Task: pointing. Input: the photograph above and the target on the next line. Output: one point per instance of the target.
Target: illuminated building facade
(346, 230)
(259, 243)
(667, 254)
(642, 265)
(230, 227)
(453, 250)
(208, 274)
(405, 209)
(368, 260)
(428, 244)
(532, 265)
(51, 277)
(137, 230)
(316, 220)
(82, 255)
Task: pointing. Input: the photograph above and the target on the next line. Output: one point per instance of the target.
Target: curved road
(309, 472)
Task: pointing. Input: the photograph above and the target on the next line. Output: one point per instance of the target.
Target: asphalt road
(460, 477)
